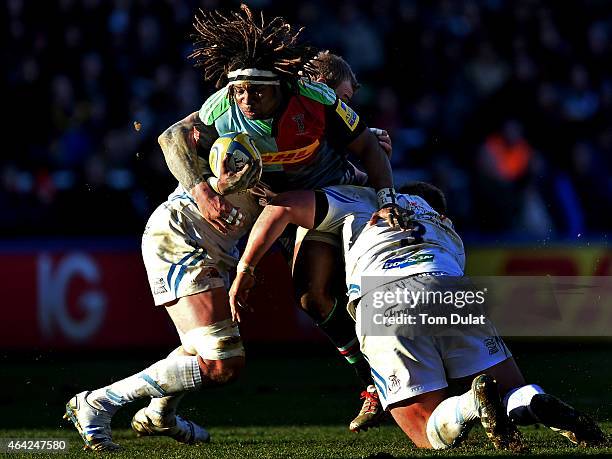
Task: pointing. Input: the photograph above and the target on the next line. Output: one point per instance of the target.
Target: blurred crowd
(504, 104)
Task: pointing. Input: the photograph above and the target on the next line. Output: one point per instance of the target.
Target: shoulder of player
(215, 106)
(352, 194)
(316, 91)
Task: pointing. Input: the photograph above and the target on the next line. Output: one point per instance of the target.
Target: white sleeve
(345, 200)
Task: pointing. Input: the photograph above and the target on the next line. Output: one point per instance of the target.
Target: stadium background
(505, 105)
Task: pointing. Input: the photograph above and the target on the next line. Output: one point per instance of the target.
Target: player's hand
(216, 210)
(384, 140)
(263, 193)
(393, 215)
(232, 182)
(239, 293)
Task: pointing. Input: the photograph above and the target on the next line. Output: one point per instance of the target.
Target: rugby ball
(238, 148)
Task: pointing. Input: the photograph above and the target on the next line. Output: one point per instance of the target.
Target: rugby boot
(93, 424)
(579, 428)
(182, 430)
(371, 412)
(498, 427)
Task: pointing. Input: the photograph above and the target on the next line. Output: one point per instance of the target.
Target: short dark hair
(433, 195)
(331, 68)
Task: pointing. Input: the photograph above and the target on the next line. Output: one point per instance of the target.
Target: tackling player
(188, 246)
(419, 367)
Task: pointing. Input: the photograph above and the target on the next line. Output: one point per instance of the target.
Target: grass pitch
(283, 407)
(302, 442)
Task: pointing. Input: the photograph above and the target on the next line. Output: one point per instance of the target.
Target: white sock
(517, 403)
(161, 408)
(450, 420)
(166, 377)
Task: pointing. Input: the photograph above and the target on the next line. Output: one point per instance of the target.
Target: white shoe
(182, 430)
(92, 423)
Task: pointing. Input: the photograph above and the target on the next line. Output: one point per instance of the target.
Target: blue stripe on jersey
(174, 265)
(375, 374)
(339, 196)
(181, 273)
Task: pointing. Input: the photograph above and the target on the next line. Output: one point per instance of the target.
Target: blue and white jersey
(378, 250)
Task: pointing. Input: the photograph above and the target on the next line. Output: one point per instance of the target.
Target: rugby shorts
(404, 367)
(183, 254)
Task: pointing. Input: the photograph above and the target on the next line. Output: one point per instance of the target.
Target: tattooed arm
(179, 144)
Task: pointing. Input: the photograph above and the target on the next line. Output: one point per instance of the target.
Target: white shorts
(405, 367)
(183, 254)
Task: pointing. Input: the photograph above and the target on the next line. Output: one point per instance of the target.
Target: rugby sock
(451, 420)
(162, 408)
(520, 407)
(166, 377)
(165, 407)
(518, 404)
(340, 329)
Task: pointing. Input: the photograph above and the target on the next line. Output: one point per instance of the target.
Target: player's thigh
(411, 415)
(507, 374)
(483, 351)
(203, 321)
(200, 309)
(318, 271)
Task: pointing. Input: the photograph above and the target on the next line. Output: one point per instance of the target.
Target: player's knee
(316, 303)
(216, 342)
(219, 372)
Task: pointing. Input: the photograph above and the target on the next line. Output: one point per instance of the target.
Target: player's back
(431, 245)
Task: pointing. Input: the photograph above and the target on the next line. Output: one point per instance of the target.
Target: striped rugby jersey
(379, 250)
(302, 148)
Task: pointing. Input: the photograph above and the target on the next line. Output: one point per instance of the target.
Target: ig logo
(53, 284)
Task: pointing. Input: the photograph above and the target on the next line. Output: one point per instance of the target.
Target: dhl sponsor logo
(290, 156)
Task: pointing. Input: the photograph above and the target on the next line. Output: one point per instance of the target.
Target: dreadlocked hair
(226, 42)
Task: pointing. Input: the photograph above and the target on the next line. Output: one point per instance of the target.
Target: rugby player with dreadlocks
(189, 244)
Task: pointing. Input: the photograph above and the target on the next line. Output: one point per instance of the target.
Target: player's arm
(296, 207)
(374, 159)
(180, 144)
(347, 129)
(384, 140)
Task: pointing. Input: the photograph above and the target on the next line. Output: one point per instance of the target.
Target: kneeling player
(419, 368)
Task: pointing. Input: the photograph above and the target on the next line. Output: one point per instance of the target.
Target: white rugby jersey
(379, 250)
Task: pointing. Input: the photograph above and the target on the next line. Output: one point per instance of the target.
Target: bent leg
(319, 280)
(320, 289)
(206, 332)
(413, 414)
(204, 323)
(506, 373)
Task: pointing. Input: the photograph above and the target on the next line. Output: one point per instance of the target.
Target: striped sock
(340, 329)
(166, 377)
